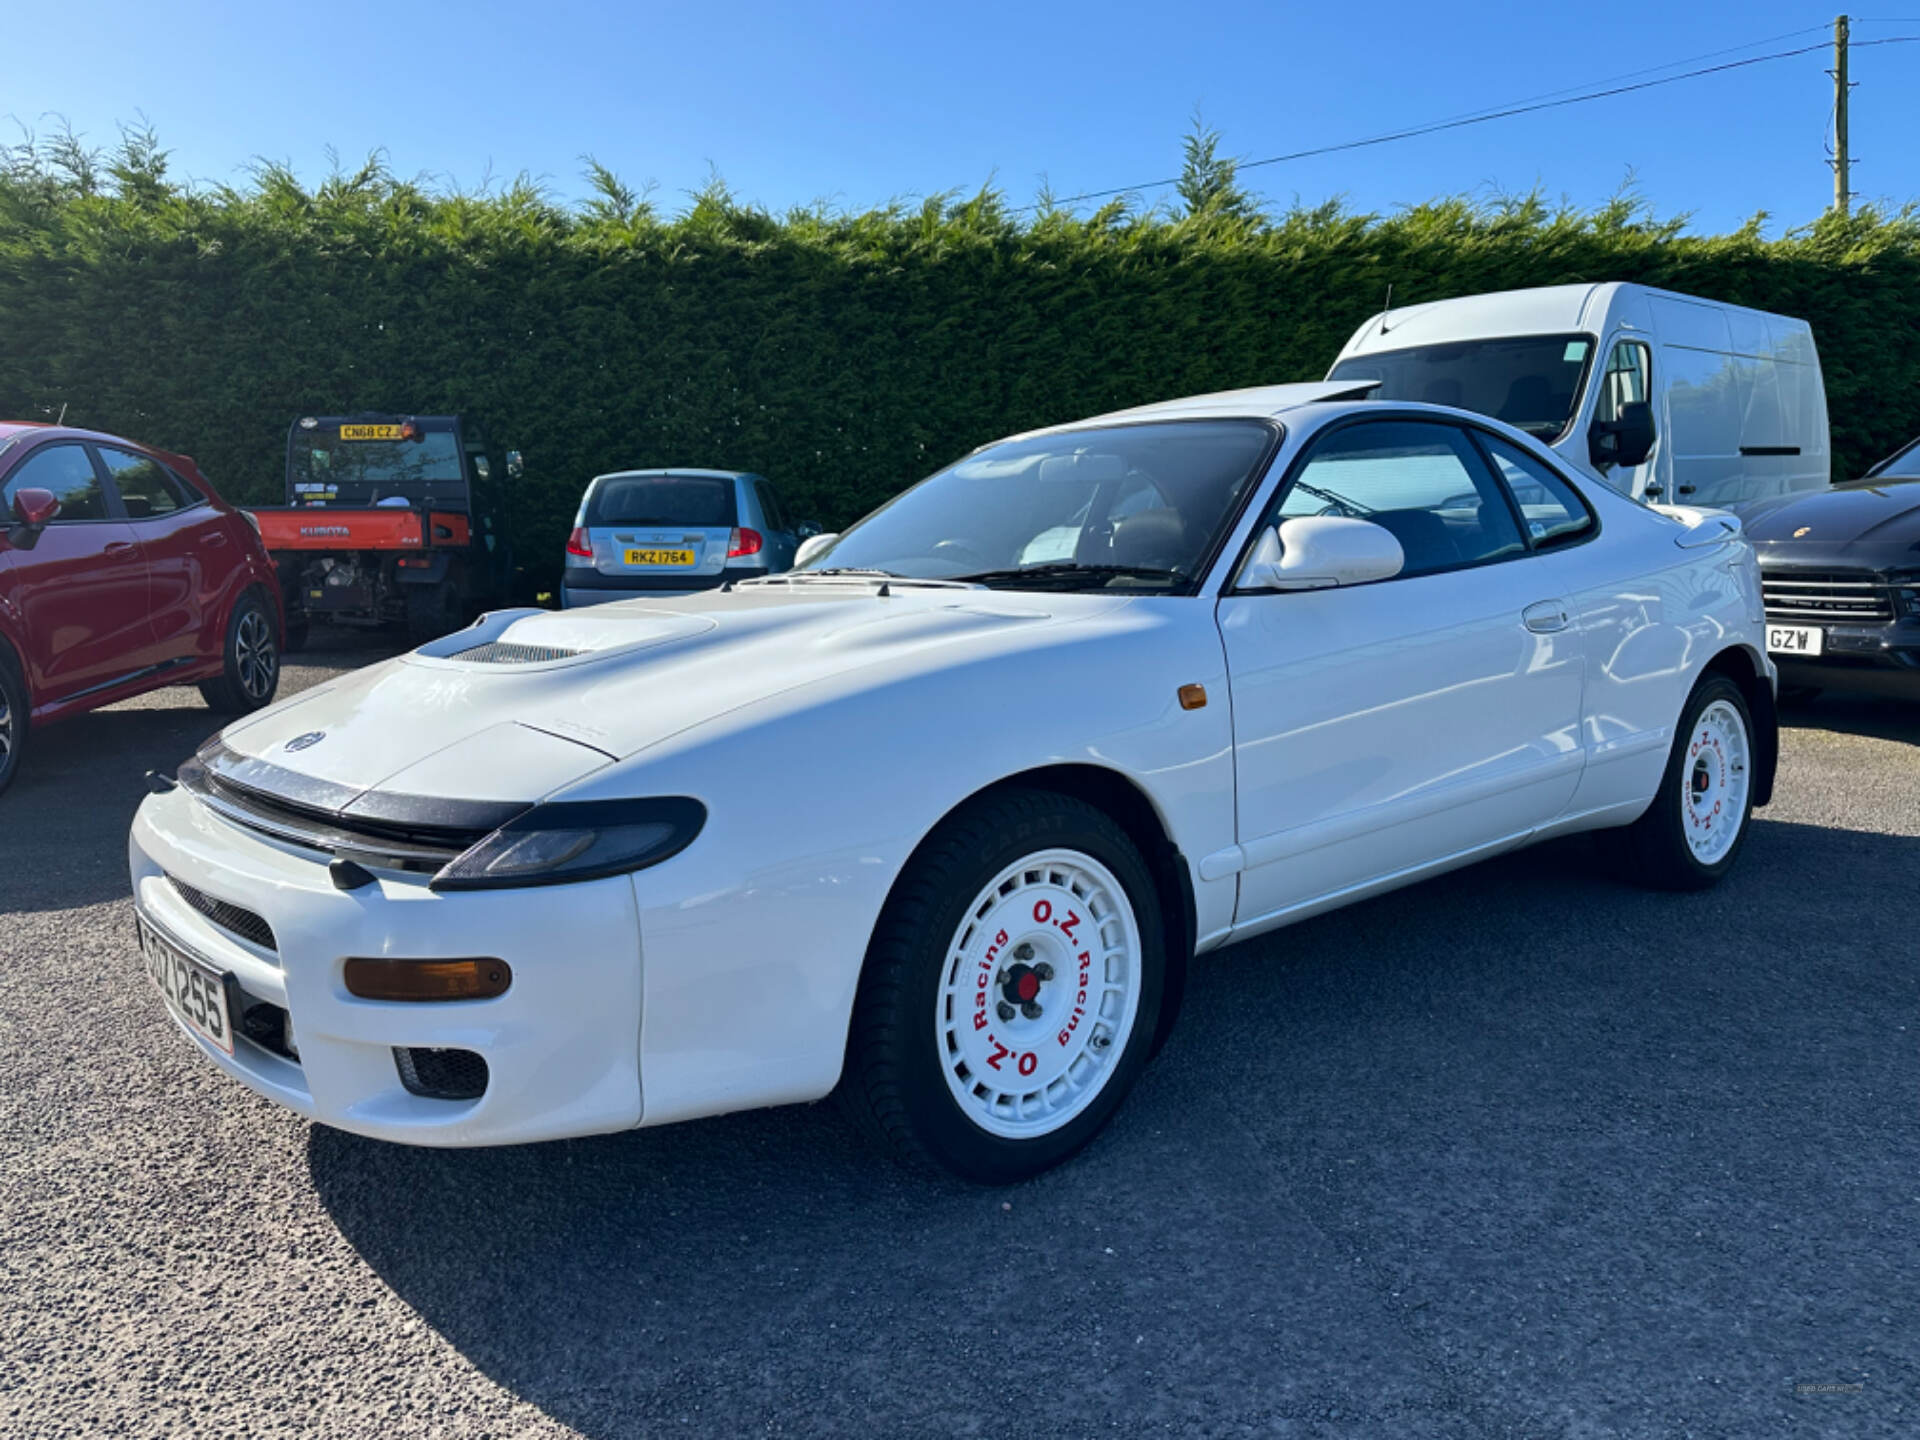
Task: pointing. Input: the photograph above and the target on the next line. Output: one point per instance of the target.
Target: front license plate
(659, 557)
(370, 432)
(194, 991)
(1796, 639)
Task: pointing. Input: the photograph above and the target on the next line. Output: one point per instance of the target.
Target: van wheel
(251, 673)
(1011, 992)
(432, 611)
(1698, 822)
(15, 713)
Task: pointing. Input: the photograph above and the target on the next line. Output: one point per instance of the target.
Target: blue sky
(859, 104)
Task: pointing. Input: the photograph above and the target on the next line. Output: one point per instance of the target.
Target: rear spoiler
(1703, 527)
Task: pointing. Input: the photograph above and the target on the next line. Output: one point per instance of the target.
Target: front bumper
(584, 585)
(562, 1045)
(1882, 657)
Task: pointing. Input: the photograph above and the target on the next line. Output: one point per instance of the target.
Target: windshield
(700, 501)
(1903, 466)
(1532, 382)
(327, 466)
(1122, 507)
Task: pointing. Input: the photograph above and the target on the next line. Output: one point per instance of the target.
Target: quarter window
(69, 474)
(1553, 511)
(1420, 480)
(147, 488)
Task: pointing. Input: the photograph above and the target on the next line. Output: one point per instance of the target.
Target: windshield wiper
(1067, 570)
(1333, 497)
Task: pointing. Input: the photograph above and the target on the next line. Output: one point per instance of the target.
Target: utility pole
(1841, 161)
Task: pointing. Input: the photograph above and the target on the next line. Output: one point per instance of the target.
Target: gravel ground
(1516, 1152)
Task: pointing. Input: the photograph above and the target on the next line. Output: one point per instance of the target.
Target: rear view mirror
(1087, 468)
(516, 467)
(1318, 552)
(811, 547)
(33, 510)
(1625, 441)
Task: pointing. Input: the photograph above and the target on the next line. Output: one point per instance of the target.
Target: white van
(1666, 397)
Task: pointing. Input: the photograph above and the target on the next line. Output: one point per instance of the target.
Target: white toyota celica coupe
(942, 816)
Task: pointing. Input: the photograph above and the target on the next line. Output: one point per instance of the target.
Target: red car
(121, 571)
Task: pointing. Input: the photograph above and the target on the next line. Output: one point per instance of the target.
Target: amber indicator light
(1193, 697)
(428, 979)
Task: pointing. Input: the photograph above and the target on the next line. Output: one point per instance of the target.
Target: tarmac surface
(1516, 1152)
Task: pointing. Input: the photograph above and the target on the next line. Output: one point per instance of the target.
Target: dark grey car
(655, 531)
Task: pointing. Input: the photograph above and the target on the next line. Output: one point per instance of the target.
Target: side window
(770, 507)
(1624, 381)
(1423, 481)
(1553, 510)
(69, 474)
(147, 488)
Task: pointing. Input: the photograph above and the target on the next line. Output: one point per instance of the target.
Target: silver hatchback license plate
(194, 991)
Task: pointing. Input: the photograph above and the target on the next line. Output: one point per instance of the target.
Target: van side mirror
(807, 529)
(33, 510)
(812, 546)
(1625, 441)
(1319, 552)
(516, 467)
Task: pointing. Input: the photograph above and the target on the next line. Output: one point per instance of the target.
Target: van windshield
(1533, 382)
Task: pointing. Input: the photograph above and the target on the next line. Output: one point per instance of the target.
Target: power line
(1649, 70)
(1481, 118)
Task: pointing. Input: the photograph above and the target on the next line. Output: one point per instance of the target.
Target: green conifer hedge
(845, 355)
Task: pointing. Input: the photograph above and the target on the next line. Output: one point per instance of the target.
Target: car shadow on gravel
(1512, 1148)
(1874, 716)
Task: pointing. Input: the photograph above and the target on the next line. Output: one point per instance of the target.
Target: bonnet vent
(506, 652)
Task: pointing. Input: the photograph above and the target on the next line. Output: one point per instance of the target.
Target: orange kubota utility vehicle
(389, 518)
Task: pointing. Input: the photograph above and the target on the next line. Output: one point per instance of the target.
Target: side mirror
(1626, 441)
(812, 546)
(516, 467)
(1318, 552)
(33, 510)
(806, 529)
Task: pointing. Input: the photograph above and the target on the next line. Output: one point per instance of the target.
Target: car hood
(1876, 520)
(526, 702)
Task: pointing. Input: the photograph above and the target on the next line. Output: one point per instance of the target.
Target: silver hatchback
(653, 531)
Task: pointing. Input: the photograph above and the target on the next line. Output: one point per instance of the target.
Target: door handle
(118, 547)
(213, 537)
(1546, 617)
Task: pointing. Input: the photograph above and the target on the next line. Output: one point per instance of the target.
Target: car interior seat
(1425, 538)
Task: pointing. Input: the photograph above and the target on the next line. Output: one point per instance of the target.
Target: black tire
(433, 611)
(250, 674)
(15, 719)
(1654, 850)
(895, 1084)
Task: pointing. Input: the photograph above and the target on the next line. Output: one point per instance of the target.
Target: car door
(781, 540)
(189, 555)
(1380, 728)
(82, 587)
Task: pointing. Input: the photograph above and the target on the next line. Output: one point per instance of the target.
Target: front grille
(441, 1074)
(234, 919)
(504, 652)
(1847, 597)
(376, 828)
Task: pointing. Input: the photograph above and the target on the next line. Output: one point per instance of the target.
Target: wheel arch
(1129, 806)
(1742, 665)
